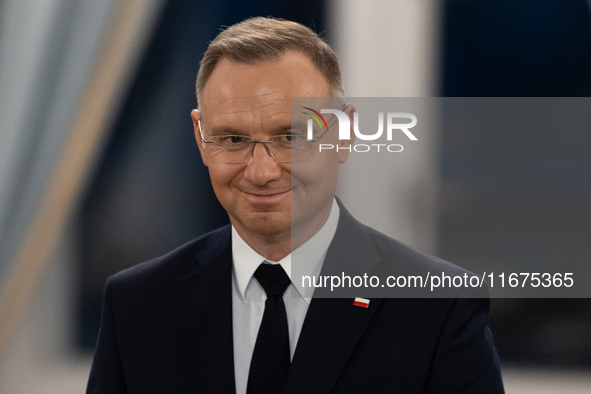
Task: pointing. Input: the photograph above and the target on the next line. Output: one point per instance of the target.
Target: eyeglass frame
(254, 142)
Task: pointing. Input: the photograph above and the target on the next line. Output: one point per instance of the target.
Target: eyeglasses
(284, 148)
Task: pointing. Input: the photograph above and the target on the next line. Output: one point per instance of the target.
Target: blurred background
(99, 169)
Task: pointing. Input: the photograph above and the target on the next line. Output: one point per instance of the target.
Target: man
(216, 315)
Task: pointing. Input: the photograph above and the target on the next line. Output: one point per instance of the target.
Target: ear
(200, 143)
(345, 146)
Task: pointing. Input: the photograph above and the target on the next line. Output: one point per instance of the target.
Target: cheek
(316, 179)
(221, 177)
(317, 166)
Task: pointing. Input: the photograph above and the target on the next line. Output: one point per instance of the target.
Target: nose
(261, 167)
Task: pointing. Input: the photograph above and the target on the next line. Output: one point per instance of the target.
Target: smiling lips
(266, 198)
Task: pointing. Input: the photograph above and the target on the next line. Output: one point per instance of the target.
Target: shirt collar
(309, 257)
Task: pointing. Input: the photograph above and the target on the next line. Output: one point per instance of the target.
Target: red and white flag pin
(362, 302)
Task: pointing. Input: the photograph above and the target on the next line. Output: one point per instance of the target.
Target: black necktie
(270, 360)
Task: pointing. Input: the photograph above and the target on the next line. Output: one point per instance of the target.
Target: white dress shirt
(248, 296)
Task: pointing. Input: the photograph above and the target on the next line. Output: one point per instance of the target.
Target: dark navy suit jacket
(167, 327)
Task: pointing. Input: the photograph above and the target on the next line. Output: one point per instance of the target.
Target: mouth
(258, 197)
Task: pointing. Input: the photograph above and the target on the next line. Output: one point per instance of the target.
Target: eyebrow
(224, 130)
(228, 130)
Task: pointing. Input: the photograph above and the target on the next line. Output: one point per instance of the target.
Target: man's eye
(292, 137)
(290, 140)
(287, 139)
(233, 139)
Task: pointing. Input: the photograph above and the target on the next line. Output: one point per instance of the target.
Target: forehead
(254, 93)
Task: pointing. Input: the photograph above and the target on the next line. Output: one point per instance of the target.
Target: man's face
(255, 100)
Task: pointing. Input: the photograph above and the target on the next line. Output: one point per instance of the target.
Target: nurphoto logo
(317, 125)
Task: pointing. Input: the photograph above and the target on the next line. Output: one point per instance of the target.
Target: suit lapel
(332, 326)
(331, 330)
(203, 307)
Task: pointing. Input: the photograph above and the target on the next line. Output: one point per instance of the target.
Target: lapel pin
(362, 302)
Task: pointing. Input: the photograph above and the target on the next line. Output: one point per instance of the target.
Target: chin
(268, 223)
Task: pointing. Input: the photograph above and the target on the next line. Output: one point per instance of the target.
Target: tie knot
(273, 279)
